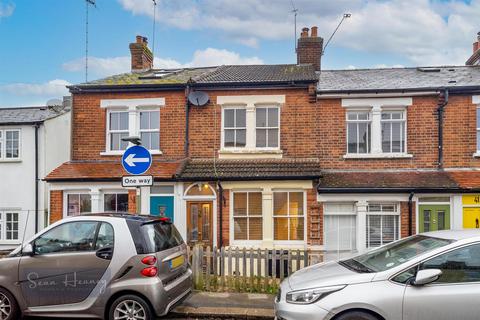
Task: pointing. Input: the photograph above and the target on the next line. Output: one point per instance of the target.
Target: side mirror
(427, 276)
(28, 250)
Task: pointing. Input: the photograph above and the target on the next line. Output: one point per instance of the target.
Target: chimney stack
(142, 57)
(309, 48)
(474, 60)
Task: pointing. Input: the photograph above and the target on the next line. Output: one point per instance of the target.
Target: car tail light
(149, 260)
(149, 272)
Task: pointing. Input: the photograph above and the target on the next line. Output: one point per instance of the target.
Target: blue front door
(162, 206)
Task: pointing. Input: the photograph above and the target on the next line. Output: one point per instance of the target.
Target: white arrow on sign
(131, 160)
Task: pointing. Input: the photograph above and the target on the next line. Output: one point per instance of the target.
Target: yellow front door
(471, 211)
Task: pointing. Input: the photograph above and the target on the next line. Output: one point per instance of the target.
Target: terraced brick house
(282, 156)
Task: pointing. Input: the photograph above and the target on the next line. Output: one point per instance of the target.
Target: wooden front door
(200, 223)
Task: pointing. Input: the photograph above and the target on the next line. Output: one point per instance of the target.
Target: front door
(433, 217)
(199, 222)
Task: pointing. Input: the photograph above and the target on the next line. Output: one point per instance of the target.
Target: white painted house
(33, 141)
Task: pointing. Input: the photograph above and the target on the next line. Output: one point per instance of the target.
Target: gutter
(260, 178)
(453, 89)
(443, 102)
(220, 213)
(37, 125)
(396, 190)
(410, 213)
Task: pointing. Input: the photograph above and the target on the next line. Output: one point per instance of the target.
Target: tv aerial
(198, 98)
(55, 104)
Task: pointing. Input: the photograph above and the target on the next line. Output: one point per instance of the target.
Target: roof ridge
(401, 68)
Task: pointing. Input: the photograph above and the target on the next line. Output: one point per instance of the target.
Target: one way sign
(136, 160)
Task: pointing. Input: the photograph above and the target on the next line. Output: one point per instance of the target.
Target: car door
(68, 262)
(455, 295)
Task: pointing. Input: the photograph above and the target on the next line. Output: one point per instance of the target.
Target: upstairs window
(150, 129)
(393, 132)
(267, 131)
(9, 144)
(358, 132)
(117, 129)
(234, 128)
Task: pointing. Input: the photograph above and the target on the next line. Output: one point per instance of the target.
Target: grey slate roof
(284, 73)
(257, 169)
(27, 115)
(397, 79)
(259, 74)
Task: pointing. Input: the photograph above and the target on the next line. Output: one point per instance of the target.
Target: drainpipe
(37, 125)
(187, 121)
(220, 213)
(443, 101)
(410, 214)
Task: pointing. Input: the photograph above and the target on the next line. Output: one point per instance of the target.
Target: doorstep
(226, 305)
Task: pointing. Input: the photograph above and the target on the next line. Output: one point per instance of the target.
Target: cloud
(423, 32)
(25, 94)
(6, 9)
(102, 67)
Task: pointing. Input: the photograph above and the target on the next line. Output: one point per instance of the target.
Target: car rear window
(160, 236)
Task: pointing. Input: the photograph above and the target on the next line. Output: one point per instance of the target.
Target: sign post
(136, 160)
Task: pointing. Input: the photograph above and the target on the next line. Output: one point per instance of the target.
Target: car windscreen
(394, 254)
(160, 236)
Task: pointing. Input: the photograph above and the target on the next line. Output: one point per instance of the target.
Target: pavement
(213, 305)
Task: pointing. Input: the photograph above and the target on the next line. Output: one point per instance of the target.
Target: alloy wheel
(129, 310)
(5, 306)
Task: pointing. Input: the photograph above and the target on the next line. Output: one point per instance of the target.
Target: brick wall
(225, 221)
(56, 205)
(132, 201)
(314, 219)
(404, 217)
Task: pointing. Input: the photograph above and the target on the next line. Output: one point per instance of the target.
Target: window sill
(378, 156)
(250, 153)
(120, 153)
(10, 160)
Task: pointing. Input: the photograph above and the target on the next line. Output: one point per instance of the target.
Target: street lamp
(136, 140)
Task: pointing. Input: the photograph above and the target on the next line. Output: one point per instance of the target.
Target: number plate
(177, 262)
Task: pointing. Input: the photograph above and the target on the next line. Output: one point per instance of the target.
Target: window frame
(247, 216)
(3, 145)
(268, 128)
(288, 216)
(235, 128)
(353, 213)
(139, 125)
(357, 122)
(398, 221)
(110, 132)
(402, 121)
(74, 192)
(116, 193)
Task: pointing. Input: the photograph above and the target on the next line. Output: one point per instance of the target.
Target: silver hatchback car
(110, 266)
(433, 275)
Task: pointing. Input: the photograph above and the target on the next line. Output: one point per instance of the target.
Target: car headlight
(311, 295)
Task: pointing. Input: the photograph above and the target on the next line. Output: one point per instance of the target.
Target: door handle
(105, 253)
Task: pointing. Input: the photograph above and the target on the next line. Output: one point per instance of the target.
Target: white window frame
(356, 121)
(247, 242)
(109, 132)
(133, 107)
(288, 216)
(376, 107)
(239, 107)
(140, 130)
(341, 213)
(266, 107)
(5, 222)
(403, 136)
(116, 193)
(3, 145)
(382, 213)
(75, 192)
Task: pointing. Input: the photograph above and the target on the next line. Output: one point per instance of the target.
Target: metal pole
(138, 200)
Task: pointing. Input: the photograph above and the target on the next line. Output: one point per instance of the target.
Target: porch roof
(108, 171)
(251, 169)
(400, 181)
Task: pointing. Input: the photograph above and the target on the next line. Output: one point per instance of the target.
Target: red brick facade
(56, 205)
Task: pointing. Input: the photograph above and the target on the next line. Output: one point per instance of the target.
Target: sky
(43, 41)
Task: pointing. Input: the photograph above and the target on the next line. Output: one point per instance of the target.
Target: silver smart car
(110, 266)
(433, 275)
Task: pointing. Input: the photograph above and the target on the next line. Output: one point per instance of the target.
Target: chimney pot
(304, 33)
(139, 39)
(314, 33)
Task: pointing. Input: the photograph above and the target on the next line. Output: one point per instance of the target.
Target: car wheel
(8, 306)
(130, 307)
(357, 315)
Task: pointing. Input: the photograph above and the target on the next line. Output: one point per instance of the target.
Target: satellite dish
(198, 98)
(55, 104)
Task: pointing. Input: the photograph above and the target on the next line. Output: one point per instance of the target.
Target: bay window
(234, 128)
(115, 202)
(78, 203)
(267, 127)
(288, 215)
(340, 225)
(383, 224)
(247, 216)
(358, 131)
(393, 132)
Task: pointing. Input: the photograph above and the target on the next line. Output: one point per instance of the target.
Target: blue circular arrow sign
(136, 160)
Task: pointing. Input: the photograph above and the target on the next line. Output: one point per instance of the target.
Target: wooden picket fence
(244, 270)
